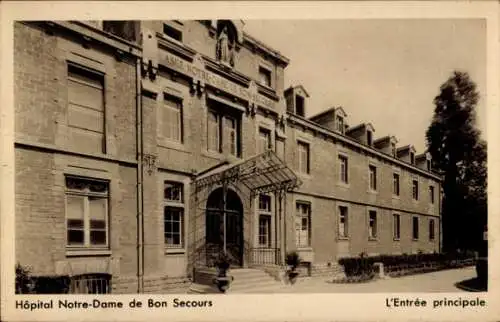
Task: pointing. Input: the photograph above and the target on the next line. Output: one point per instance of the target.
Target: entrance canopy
(263, 173)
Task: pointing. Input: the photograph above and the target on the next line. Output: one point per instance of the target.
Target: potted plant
(292, 261)
(222, 280)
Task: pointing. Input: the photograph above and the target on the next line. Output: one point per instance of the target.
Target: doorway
(232, 233)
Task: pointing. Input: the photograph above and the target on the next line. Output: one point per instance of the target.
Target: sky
(383, 71)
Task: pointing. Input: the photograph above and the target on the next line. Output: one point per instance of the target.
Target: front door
(231, 233)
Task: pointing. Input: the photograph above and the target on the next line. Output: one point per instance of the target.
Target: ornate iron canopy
(263, 173)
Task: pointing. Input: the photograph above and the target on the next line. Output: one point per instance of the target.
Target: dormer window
(172, 32)
(429, 165)
(339, 124)
(369, 138)
(393, 149)
(412, 158)
(299, 105)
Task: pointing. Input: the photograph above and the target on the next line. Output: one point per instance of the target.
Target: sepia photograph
(293, 161)
(182, 156)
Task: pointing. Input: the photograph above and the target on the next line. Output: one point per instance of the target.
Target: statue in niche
(225, 45)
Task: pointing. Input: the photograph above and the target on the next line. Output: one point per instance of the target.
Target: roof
(339, 108)
(424, 155)
(325, 112)
(330, 110)
(263, 173)
(296, 86)
(360, 126)
(385, 139)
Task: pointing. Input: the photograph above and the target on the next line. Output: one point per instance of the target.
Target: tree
(460, 156)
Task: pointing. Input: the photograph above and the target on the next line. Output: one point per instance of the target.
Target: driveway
(442, 281)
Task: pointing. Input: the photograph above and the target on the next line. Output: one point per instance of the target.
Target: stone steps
(246, 280)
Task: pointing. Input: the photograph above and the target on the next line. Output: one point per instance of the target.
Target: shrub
(52, 284)
(223, 261)
(24, 281)
(357, 266)
(293, 259)
(482, 270)
(28, 284)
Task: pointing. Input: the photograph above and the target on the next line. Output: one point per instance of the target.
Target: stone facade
(158, 92)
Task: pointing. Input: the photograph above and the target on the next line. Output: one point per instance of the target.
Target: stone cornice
(253, 43)
(91, 35)
(176, 48)
(266, 91)
(51, 148)
(227, 73)
(307, 124)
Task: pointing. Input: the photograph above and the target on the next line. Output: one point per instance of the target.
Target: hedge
(359, 266)
(28, 284)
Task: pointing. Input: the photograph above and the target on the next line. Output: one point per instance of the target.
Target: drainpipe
(280, 214)
(283, 257)
(277, 209)
(140, 208)
(224, 201)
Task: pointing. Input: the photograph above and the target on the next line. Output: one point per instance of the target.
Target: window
(213, 135)
(231, 132)
(299, 105)
(96, 283)
(431, 229)
(431, 194)
(373, 177)
(87, 212)
(124, 29)
(393, 149)
(429, 165)
(397, 226)
(339, 124)
(173, 214)
(172, 118)
(372, 224)
(264, 140)
(265, 76)
(343, 222)
(265, 220)
(415, 228)
(265, 203)
(412, 158)
(369, 138)
(173, 192)
(303, 224)
(264, 230)
(172, 32)
(86, 116)
(303, 151)
(415, 189)
(224, 138)
(343, 169)
(280, 149)
(395, 184)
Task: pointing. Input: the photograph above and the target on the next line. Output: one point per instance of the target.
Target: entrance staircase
(246, 280)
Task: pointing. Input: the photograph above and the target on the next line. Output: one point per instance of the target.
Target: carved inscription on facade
(209, 78)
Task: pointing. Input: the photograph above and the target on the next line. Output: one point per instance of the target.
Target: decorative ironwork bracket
(150, 161)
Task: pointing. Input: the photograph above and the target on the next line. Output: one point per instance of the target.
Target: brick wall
(322, 187)
(40, 88)
(40, 226)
